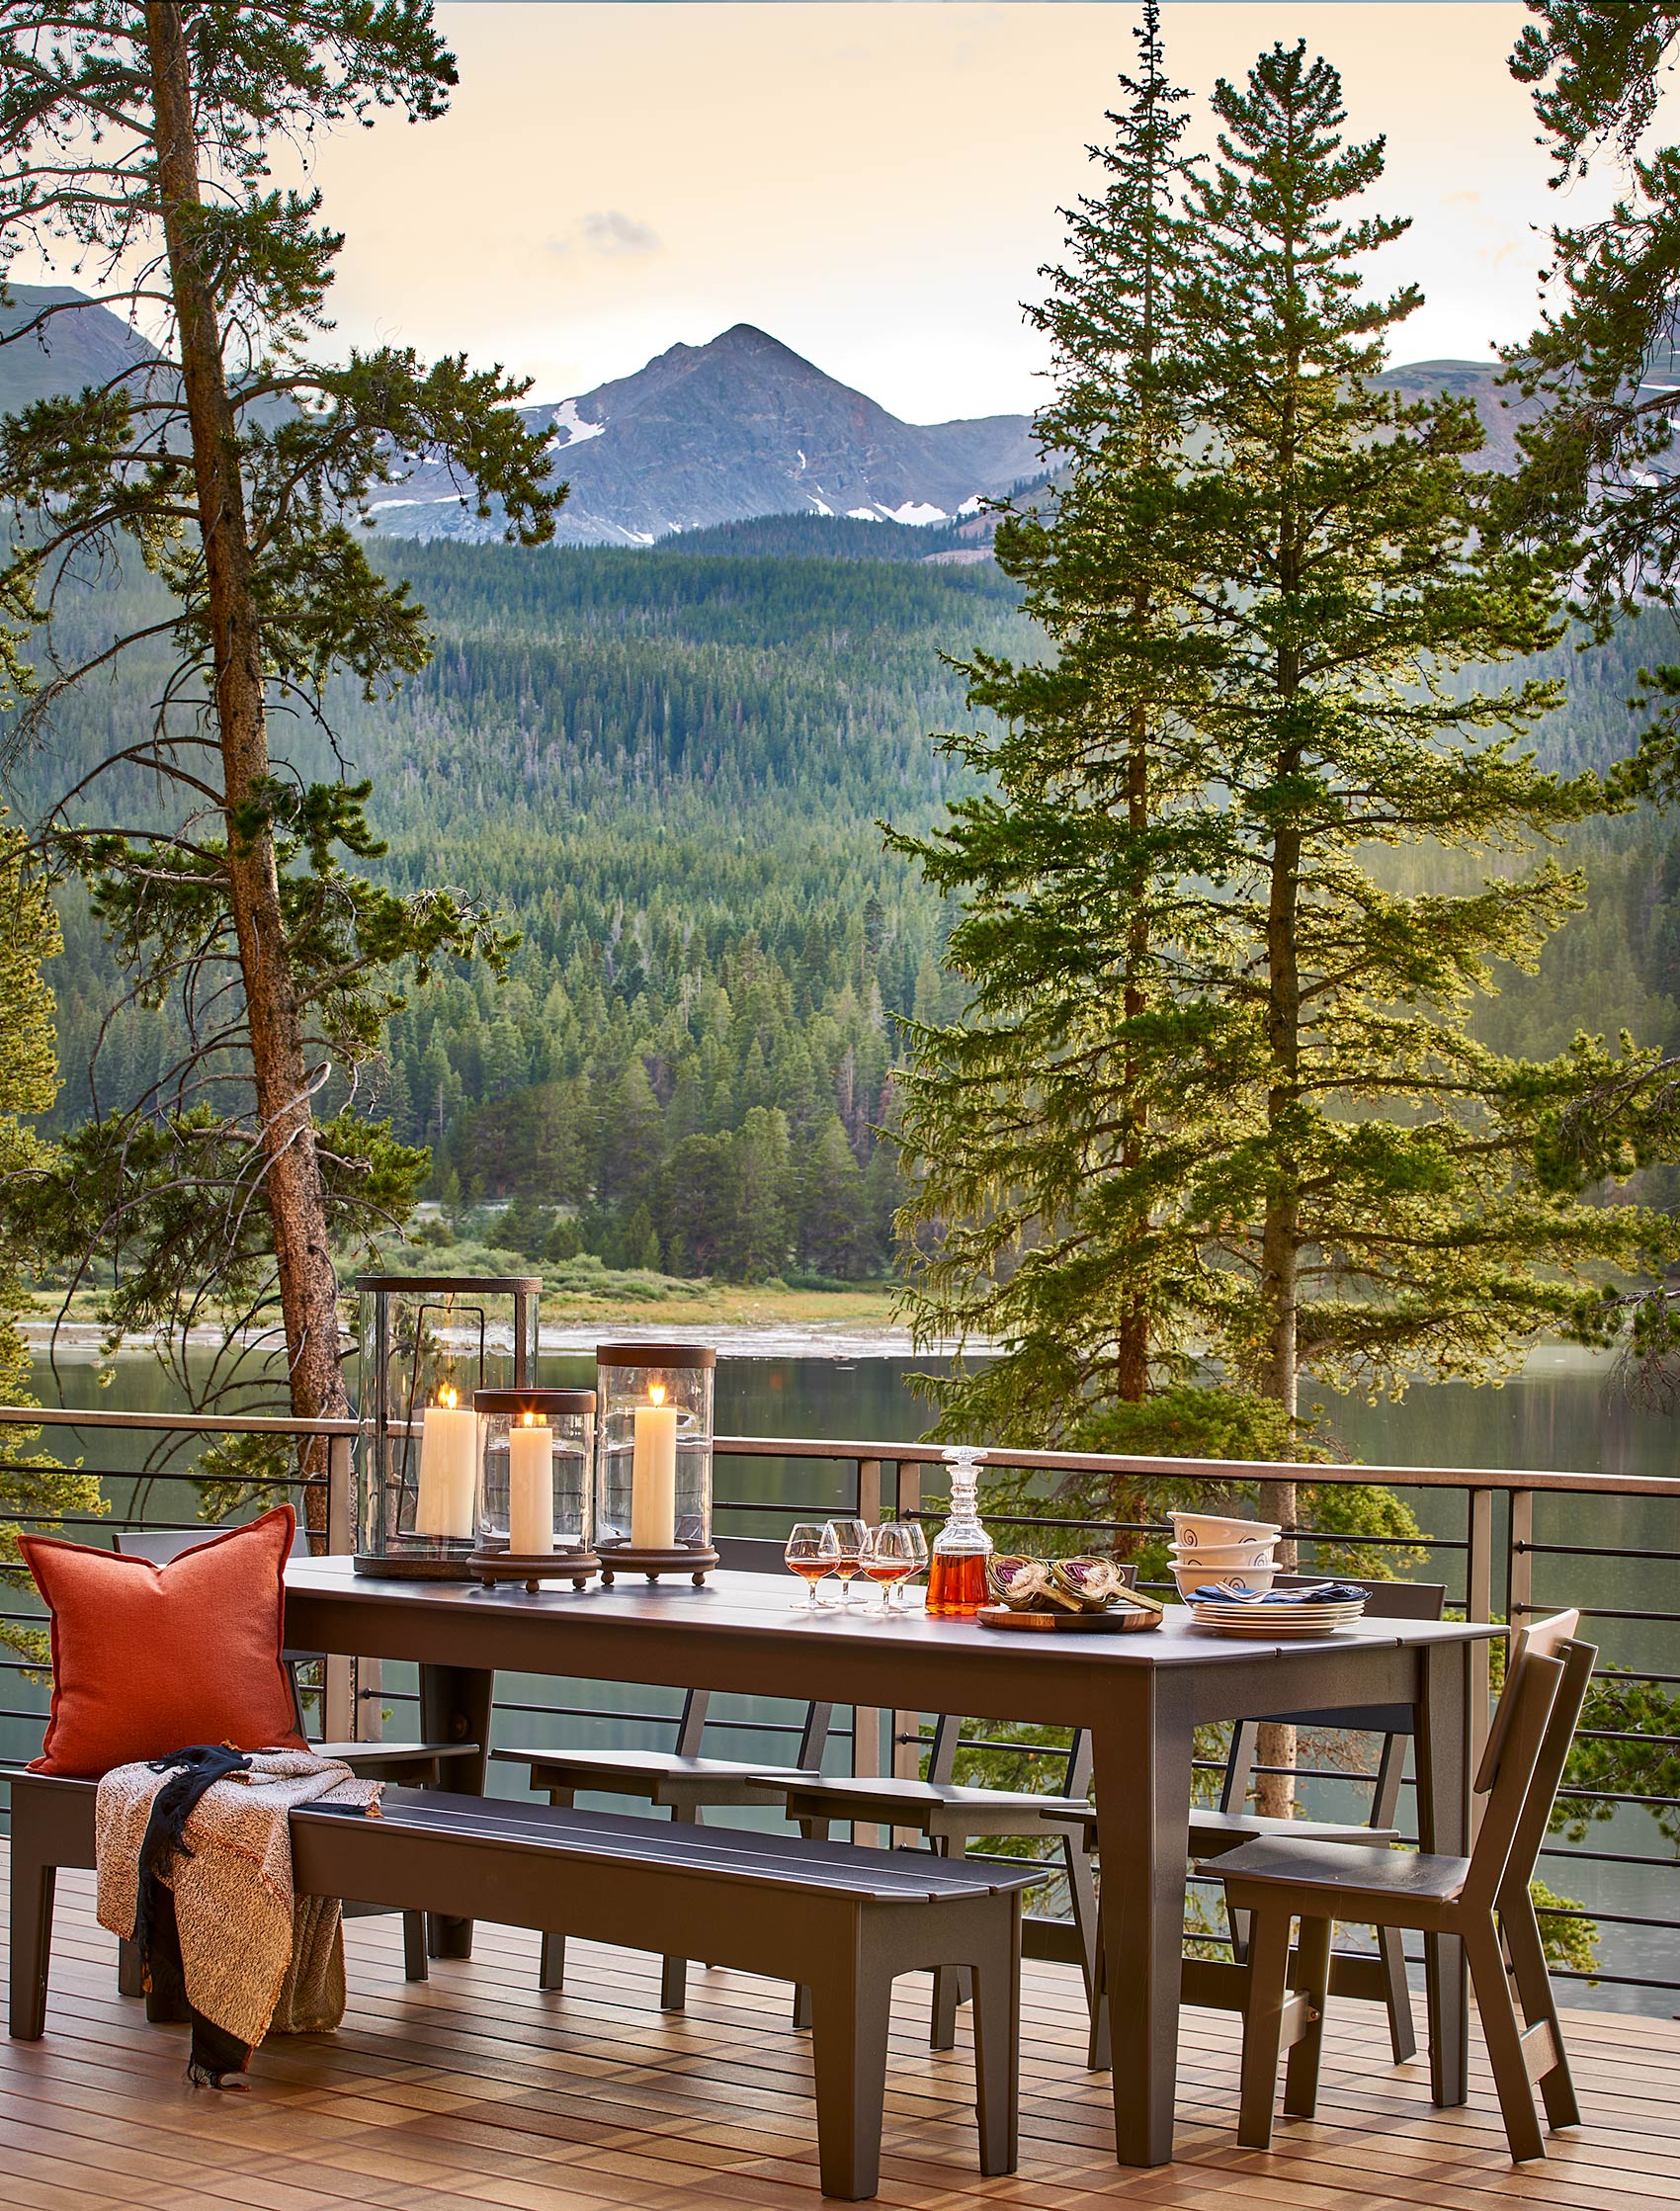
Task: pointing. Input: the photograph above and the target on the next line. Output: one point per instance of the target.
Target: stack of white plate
(1235, 1616)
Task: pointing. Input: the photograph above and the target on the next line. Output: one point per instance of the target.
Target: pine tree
(1269, 1127)
(33, 1489)
(1031, 1218)
(234, 469)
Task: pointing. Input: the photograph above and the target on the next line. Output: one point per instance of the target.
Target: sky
(874, 182)
(877, 182)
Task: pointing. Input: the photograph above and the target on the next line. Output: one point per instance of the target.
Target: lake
(1565, 1413)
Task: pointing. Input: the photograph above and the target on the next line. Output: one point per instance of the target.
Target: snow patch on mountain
(567, 418)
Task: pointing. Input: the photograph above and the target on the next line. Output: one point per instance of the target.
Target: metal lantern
(653, 1459)
(536, 1485)
(428, 1343)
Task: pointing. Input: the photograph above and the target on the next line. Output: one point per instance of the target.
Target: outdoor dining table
(1141, 1696)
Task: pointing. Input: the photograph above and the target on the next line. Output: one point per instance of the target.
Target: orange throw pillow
(147, 1659)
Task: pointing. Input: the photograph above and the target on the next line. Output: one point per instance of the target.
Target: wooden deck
(477, 2090)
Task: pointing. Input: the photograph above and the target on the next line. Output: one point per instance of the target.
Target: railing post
(867, 1718)
(1478, 1605)
(1519, 1576)
(905, 1743)
(340, 1704)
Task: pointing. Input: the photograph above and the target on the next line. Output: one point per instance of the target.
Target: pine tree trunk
(1280, 1262)
(309, 1285)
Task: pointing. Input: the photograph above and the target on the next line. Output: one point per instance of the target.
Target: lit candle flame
(447, 1397)
(656, 1393)
(529, 1418)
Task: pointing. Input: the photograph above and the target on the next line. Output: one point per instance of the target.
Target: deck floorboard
(475, 2089)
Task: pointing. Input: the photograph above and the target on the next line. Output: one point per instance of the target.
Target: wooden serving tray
(1118, 1620)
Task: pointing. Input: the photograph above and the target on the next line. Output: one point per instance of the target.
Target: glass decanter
(956, 1571)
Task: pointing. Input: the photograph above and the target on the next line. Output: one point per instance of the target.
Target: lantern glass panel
(428, 1344)
(653, 1448)
(539, 1468)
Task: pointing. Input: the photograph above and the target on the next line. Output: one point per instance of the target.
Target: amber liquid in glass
(957, 1585)
(888, 1569)
(811, 1569)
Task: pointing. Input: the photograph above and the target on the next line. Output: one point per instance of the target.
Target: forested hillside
(667, 767)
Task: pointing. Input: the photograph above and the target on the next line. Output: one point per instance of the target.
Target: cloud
(614, 232)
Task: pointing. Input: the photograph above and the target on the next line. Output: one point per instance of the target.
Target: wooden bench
(842, 1920)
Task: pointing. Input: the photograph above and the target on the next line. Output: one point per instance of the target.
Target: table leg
(1141, 1750)
(455, 1706)
(1443, 1826)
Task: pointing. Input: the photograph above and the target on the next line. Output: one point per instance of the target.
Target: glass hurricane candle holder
(536, 1486)
(428, 1344)
(654, 1460)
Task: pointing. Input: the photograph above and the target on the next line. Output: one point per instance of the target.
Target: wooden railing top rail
(1212, 1470)
(928, 1455)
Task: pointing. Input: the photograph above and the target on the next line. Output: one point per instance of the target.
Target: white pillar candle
(449, 1470)
(654, 1476)
(531, 1487)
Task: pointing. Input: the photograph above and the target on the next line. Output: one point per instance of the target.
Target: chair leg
(674, 1972)
(1540, 2005)
(414, 1965)
(1501, 2030)
(1312, 1983)
(131, 1968)
(850, 2013)
(1263, 2022)
(34, 1885)
(951, 1983)
(997, 2047)
(551, 1958)
(1083, 1895)
(1391, 1957)
(1098, 2053)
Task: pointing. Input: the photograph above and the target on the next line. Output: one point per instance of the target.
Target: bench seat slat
(837, 1868)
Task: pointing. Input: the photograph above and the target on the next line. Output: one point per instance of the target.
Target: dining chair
(1217, 1829)
(680, 1779)
(1483, 1900)
(408, 1765)
(949, 1817)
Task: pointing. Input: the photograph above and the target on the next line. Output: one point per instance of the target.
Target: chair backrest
(1384, 1600)
(1542, 1639)
(697, 1716)
(1578, 1660)
(1533, 1694)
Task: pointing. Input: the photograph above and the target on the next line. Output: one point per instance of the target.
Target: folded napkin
(1323, 1592)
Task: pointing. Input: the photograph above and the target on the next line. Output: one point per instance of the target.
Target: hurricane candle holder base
(491, 1565)
(626, 1559)
(412, 1565)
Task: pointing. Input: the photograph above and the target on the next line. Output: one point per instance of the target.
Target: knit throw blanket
(195, 1863)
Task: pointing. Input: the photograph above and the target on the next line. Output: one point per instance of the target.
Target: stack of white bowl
(1210, 1547)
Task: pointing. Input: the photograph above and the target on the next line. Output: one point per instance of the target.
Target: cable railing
(1501, 1539)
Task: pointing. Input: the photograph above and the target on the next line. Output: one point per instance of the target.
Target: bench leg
(414, 1965)
(849, 2023)
(33, 1888)
(130, 1969)
(814, 1831)
(1083, 1895)
(951, 1983)
(997, 2048)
